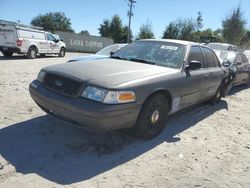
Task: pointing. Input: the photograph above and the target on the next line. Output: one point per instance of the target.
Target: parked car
(239, 64)
(103, 53)
(28, 40)
(247, 53)
(138, 87)
(222, 46)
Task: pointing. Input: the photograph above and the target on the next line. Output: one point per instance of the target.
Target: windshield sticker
(166, 47)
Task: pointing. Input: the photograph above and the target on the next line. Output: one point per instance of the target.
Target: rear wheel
(152, 118)
(32, 53)
(7, 53)
(62, 52)
(216, 97)
(248, 80)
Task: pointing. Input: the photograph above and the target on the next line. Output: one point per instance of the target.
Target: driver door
(53, 46)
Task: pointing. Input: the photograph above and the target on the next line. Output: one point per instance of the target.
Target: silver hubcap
(218, 95)
(155, 116)
(33, 53)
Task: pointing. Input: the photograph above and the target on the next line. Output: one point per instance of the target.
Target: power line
(130, 14)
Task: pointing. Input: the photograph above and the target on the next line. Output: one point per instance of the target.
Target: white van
(29, 41)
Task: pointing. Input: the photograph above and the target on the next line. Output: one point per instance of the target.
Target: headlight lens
(108, 97)
(41, 76)
(94, 93)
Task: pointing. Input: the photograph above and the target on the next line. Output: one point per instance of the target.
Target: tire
(216, 98)
(7, 53)
(248, 81)
(152, 117)
(62, 52)
(32, 53)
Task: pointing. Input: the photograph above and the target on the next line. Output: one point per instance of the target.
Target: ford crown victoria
(138, 87)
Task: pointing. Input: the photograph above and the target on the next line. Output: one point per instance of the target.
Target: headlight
(41, 76)
(108, 97)
(94, 93)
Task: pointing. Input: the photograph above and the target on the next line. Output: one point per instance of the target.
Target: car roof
(222, 44)
(183, 42)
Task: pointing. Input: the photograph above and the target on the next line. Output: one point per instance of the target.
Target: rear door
(241, 72)
(195, 82)
(245, 68)
(7, 35)
(214, 72)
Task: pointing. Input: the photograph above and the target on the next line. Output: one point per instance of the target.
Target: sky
(89, 14)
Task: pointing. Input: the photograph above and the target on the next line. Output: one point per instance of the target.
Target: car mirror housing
(193, 65)
(226, 63)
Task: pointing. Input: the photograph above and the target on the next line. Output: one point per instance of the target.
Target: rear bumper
(10, 49)
(86, 113)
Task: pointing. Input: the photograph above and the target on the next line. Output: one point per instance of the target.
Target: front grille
(63, 85)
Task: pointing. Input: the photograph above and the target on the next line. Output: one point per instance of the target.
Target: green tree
(114, 29)
(199, 21)
(145, 32)
(125, 35)
(182, 29)
(234, 27)
(84, 32)
(53, 21)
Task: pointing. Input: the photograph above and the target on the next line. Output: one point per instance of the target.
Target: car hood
(88, 57)
(108, 72)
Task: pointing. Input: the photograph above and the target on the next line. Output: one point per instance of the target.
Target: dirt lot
(208, 146)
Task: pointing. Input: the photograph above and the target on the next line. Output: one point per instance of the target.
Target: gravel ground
(206, 146)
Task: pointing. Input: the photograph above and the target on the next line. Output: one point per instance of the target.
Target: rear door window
(244, 58)
(196, 55)
(238, 59)
(210, 59)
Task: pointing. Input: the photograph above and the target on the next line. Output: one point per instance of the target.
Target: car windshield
(230, 58)
(107, 50)
(153, 52)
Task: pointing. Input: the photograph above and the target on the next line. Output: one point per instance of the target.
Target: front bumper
(86, 113)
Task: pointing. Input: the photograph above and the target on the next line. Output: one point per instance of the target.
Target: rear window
(30, 34)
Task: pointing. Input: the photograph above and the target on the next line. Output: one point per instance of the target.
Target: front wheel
(152, 118)
(62, 52)
(7, 53)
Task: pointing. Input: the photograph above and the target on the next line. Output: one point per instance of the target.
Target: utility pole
(130, 14)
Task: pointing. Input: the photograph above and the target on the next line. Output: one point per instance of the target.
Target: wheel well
(33, 46)
(164, 92)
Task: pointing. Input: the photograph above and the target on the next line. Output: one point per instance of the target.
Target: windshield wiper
(118, 57)
(142, 61)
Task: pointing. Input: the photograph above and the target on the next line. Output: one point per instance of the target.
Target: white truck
(29, 41)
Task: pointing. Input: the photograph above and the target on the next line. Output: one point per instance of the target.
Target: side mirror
(193, 65)
(226, 63)
(111, 53)
(56, 40)
(61, 40)
(238, 63)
